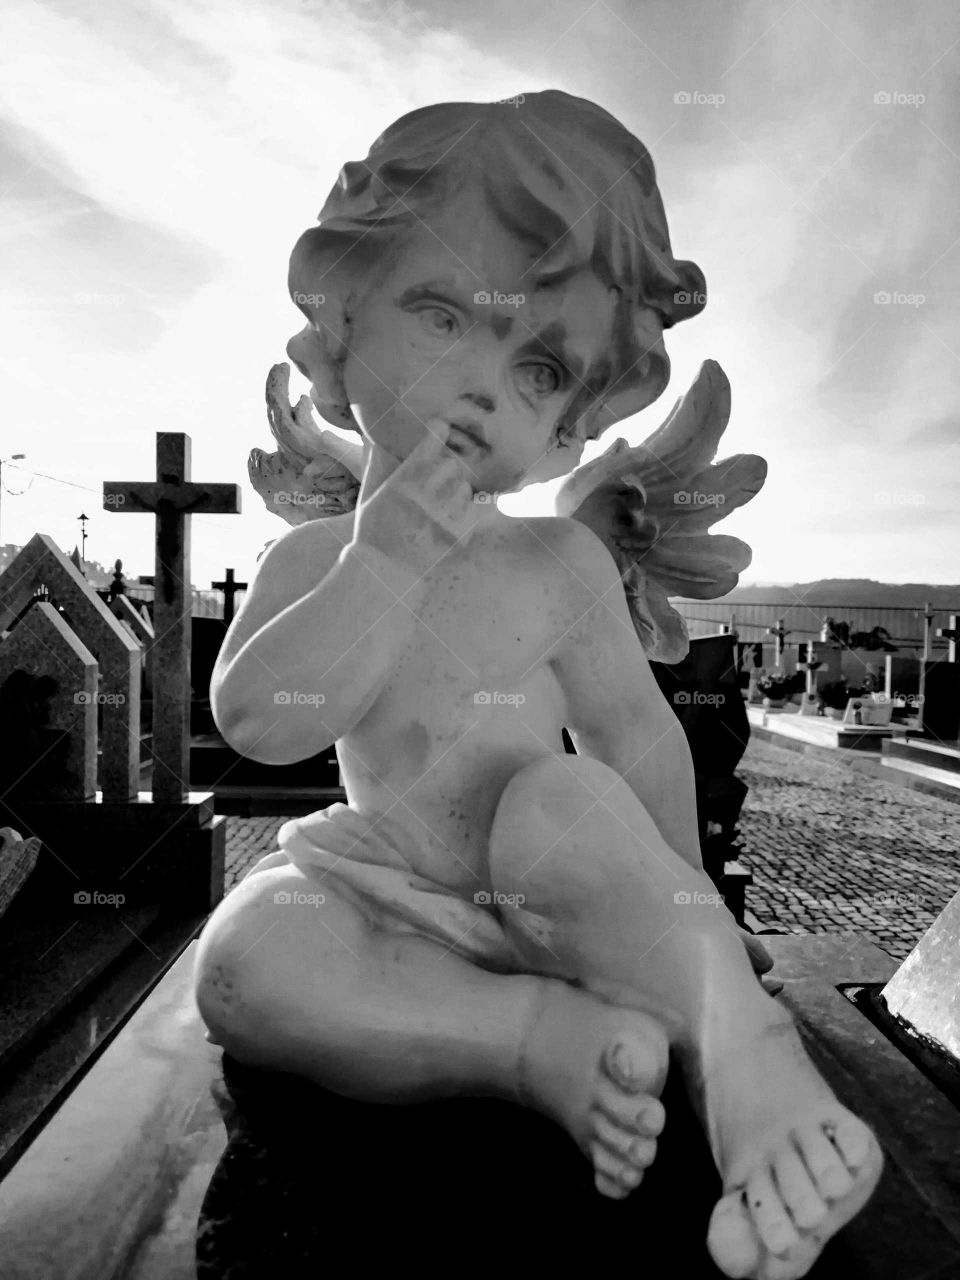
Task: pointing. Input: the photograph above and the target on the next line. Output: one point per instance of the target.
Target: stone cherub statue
(488, 916)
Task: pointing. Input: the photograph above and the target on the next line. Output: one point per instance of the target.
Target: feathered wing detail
(653, 505)
(314, 473)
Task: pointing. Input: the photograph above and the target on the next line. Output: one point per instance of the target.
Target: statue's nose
(305, 351)
(481, 400)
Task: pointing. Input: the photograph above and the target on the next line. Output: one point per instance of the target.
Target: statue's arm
(615, 710)
(314, 641)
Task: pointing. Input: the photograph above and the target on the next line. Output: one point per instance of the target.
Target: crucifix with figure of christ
(229, 589)
(173, 498)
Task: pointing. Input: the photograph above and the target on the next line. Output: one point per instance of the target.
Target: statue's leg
(605, 902)
(333, 993)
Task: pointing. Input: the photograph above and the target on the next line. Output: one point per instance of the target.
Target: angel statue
(488, 916)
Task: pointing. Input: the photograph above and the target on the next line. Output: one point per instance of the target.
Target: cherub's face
(439, 337)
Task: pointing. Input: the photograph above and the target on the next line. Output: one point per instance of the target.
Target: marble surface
(90, 1190)
(925, 991)
(170, 1164)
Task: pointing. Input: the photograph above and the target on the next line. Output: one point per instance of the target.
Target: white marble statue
(488, 916)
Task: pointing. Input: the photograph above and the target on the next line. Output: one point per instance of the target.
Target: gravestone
(120, 883)
(924, 993)
(207, 636)
(940, 710)
(871, 709)
(704, 692)
(41, 563)
(48, 698)
(754, 694)
(172, 498)
(141, 628)
(829, 662)
(901, 679)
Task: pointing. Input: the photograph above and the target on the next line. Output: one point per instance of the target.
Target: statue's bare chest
(493, 616)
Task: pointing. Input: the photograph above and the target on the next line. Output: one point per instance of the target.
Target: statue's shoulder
(572, 539)
(309, 542)
(558, 543)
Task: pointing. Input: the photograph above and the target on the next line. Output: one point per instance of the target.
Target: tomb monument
(503, 920)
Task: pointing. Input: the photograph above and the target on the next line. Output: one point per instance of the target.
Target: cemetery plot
(122, 880)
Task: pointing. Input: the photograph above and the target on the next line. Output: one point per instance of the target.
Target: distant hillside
(853, 591)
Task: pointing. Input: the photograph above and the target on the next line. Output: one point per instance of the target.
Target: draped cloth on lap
(373, 858)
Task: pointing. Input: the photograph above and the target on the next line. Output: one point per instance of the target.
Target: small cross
(229, 589)
(780, 635)
(173, 497)
(951, 633)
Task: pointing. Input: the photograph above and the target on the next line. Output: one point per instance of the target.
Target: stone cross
(779, 634)
(951, 633)
(811, 664)
(173, 497)
(229, 589)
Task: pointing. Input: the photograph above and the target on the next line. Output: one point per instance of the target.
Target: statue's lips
(465, 430)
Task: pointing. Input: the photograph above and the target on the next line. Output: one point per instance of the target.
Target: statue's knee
(555, 791)
(563, 775)
(217, 988)
(235, 983)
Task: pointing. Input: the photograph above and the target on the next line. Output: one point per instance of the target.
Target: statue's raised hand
(416, 510)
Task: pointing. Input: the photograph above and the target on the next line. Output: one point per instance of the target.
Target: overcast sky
(158, 161)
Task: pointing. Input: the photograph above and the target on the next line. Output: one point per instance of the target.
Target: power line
(57, 479)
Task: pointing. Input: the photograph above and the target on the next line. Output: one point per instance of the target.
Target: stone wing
(313, 473)
(653, 505)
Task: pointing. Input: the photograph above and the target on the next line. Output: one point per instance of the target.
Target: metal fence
(205, 604)
(804, 621)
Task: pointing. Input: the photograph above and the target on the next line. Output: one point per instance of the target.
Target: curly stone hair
(557, 170)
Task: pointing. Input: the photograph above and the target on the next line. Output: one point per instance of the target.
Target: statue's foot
(796, 1165)
(597, 1070)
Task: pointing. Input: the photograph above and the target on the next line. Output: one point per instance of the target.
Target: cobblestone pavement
(831, 850)
(248, 840)
(836, 851)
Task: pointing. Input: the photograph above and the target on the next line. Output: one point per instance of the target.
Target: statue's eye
(438, 321)
(547, 378)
